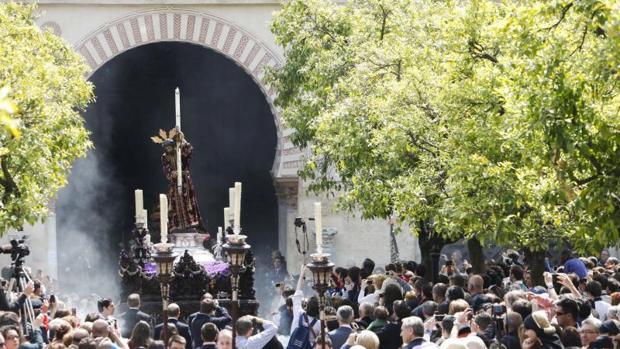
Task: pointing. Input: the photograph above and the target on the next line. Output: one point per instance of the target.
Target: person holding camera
(103, 333)
(245, 327)
(210, 312)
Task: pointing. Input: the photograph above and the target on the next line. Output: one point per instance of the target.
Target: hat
(610, 327)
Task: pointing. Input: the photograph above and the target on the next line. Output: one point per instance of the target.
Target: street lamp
(236, 248)
(321, 269)
(164, 258)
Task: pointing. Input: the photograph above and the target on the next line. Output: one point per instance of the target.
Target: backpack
(300, 338)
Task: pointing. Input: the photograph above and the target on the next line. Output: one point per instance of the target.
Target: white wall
(356, 238)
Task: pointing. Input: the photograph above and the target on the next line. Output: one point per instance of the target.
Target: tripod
(18, 282)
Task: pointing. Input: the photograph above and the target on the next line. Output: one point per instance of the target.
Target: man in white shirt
(594, 291)
(245, 327)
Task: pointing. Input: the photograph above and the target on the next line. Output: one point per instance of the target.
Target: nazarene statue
(183, 213)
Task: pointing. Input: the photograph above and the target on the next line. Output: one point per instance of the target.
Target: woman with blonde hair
(539, 333)
(366, 339)
(457, 306)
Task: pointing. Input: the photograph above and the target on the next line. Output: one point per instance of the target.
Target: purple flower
(150, 268)
(213, 268)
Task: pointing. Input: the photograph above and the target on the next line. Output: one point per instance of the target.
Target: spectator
(319, 343)
(224, 339)
(566, 313)
(512, 323)
(573, 264)
(475, 288)
(381, 317)
(285, 317)
(174, 311)
(537, 329)
(389, 337)
(311, 311)
(366, 339)
(594, 291)
(245, 338)
(177, 342)
(366, 311)
(208, 333)
(439, 296)
(412, 332)
(340, 335)
(140, 336)
(516, 276)
(211, 312)
(589, 331)
(570, 338)
(133, 315)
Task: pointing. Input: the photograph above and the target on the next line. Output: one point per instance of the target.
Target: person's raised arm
(298, 298)
(301, 278)
(549, 282)
(566, 281)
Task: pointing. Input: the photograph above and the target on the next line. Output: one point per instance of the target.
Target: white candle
(139, 203)
(163, 217)
(177, 108)
(231, 198)
(220, 232)
(179, 168)
(237, 209)
(145, 219)
(226, 217)
(318, 227)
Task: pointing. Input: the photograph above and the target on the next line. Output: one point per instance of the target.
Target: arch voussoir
(227, 38)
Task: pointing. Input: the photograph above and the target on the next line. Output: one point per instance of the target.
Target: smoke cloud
(86, 249)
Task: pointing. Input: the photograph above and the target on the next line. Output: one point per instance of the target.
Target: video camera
(17, 249)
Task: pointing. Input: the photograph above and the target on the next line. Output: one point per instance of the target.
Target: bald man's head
(100, 329)
(173, 310)
(475, 284)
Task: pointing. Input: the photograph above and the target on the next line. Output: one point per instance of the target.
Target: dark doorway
(224, 115)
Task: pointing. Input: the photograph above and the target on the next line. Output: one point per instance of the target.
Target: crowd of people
(395, 306)
(366, 307)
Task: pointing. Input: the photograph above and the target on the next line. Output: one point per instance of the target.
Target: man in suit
(131, 317)
(345, 317)
(209, 333)
(173, 318)
(208, 313)
(412, 332)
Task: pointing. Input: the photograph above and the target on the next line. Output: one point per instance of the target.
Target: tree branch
(478, 51)
(582, 41)
(7, 182)
(562, 16)
(384, 16)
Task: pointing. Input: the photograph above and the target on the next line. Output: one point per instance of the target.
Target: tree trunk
(476, 254)
(431, 244)
(394, 255)
(536, 263)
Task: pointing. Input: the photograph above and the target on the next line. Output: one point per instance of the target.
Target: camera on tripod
(299, 222)
(17, 249)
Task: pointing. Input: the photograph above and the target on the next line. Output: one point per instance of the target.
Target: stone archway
(225, 37)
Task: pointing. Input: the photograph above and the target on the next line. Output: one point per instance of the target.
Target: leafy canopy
(44, 80)
(490, 120)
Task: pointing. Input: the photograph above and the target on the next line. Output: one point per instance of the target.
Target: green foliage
(490, 120)
(46, 82)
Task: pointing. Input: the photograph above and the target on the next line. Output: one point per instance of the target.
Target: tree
(44, 79)
(491, 121)
(342, 90)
